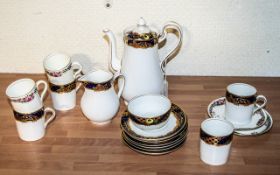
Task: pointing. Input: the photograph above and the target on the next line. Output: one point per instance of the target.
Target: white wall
(222, 37)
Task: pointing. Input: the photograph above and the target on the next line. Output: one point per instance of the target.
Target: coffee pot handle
(174, 26)
(43, 93)
(121, 87)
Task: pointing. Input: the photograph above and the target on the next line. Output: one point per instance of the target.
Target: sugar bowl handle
(118, 75)
(174, 26)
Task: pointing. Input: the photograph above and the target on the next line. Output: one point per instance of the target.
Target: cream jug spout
(115, 62)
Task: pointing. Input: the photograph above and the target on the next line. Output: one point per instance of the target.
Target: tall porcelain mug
(32, 126)
(143, 69)
(215, 141)
(28, 109)
(62, 80)
(100, 102)
(24, 95)
(241, 103)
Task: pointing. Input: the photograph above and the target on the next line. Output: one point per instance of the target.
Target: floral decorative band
(97, 86)
(149, 121)
(29, 117)
(144, 40)
(238, 100)
(58, 73)
(63, 88)
(217, 141)
(27, 98)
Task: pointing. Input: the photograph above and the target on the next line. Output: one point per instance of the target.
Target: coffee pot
(141, 66)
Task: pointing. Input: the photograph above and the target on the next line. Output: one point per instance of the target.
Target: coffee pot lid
(141, 35)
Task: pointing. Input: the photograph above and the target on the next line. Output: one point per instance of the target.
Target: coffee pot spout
(115, 63)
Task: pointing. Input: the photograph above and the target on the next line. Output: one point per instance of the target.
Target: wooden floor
(73, 145)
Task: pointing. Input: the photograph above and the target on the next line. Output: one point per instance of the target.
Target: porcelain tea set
(151, 124)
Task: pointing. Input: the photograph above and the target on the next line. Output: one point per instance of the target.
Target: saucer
(152, 145)
(155, 150)
(166, 145)
(217, 109)
(177, 121)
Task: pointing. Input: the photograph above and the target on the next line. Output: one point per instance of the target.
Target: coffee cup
(149, 111)
(28, 108)
(62, 80)
(24, 95)
(241, 103)
(215, 141)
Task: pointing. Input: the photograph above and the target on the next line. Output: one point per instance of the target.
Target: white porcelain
(238, 113)
(142, 68)
(215, 152)
(24, 96)
(35, 130)
(59, 70)
(100, 102)
(146, 108)
(64, 101)
(170, 126)
(257, 126)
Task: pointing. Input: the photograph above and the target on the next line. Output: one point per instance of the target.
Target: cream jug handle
(175, 26)
(44, 90)
(121, 86)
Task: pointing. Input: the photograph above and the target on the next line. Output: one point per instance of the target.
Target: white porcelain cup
(149, 111)
(24, 96)
(32, 126)
(215, 141)
(62, 80)
(241, 103)
(28, 108)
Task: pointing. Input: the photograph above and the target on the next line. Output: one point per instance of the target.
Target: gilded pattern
(29, 117)
(144, 40)
(237, 100)
(58, 73)
(63, 88)
(150, 121)
(27, 98)
(97, 86)
(217, 141)
(182, 124)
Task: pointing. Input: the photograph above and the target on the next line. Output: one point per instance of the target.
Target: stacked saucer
(161, 136)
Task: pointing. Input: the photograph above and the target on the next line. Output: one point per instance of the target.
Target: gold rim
(168, 136)
(153, 153)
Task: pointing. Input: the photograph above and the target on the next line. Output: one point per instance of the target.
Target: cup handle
(263, 99)
(51, 118)
(43, 93)
(78, 72)
(117, 76)
(79, 84)
(259, 107)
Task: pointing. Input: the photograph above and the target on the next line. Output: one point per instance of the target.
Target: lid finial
(141, 22)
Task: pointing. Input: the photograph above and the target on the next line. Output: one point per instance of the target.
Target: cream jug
(141, 66)
(100, 102)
